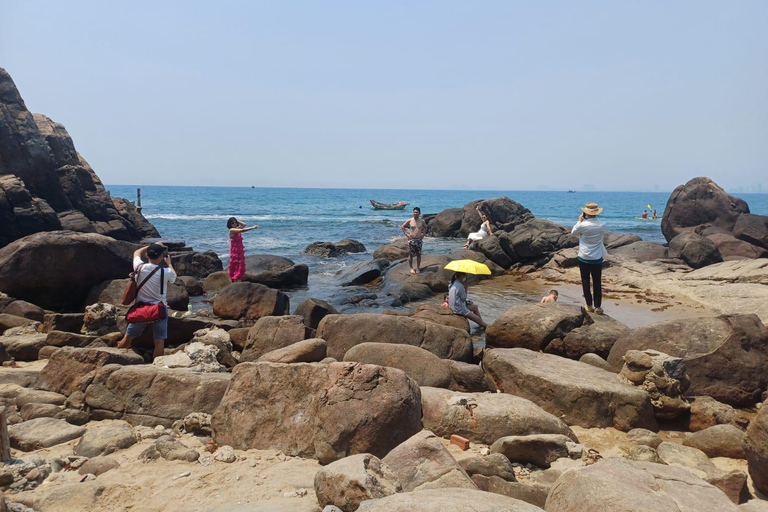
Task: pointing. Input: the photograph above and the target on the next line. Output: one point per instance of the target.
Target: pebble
(181, 475)
(225, 454)
(33, 475)
(484, 451)
(253, 463)
(205, 459)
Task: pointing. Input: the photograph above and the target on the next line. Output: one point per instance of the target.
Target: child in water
(550, 297)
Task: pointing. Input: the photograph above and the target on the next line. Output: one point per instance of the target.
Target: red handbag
(143, 312)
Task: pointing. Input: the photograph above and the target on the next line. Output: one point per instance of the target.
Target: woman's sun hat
(591, 209)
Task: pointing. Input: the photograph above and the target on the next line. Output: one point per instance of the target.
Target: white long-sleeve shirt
(591, 233)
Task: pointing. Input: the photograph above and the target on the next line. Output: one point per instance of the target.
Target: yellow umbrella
(468, 267)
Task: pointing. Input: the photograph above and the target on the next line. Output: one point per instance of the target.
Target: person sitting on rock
(550, 297)
(151, 292)
(457, 300)
(484, 231)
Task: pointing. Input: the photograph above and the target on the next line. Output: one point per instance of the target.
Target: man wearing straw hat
(591, 253)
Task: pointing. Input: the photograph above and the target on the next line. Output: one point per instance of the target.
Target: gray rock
(495, 464)
(363, 272)
(165, 447)
(633, 487)
(42, 433)
(98, 466)
(422, 462)
(644, 437)
(642, 453)
(718, 441)
(32, 411)
(540, 449)
(106, 439)
(596, 361)
(347, 482)
(529, 492)
(485, 417)
(441, 500)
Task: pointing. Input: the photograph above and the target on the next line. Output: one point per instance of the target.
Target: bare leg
(159, 349)
(418, 263)
(476, 318)
(125, 342)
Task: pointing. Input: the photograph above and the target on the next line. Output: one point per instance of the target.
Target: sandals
(588, 309)
(599, 311)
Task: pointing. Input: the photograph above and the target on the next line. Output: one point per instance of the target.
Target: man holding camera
(154, 278)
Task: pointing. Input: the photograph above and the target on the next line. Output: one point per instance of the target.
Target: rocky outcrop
(326, 412)
(634, 487)
(46, 185)
(248, 302)
(272, 333)
(332, 250)
(343, 332)
(556, 384)
(441, 500)
(663, 377)
(196, 264)
(726, 356)
(503, 212)
(597, 337)
(73, 369)
(54, 269)
(700, 202)
(752, 229)
(148, 395)
(485, 417)
(641, 251)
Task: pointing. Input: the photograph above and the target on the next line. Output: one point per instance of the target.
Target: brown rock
(540, 449)
(314, 310)
(342, 332)
(422, 462)
(73, 369)
(597, 337)
(348, 482)
(533, 326)
(25, 309)
(555, 384)
(322, 405)
(248, 302)
(422, 366)
(272, 333)
(441, 500)
(485, 417)
(67, 322)
(707, 412)
(718, 441)
(307, 351)
(494, 464)
(726, 356)
(440, 315)
(756, 448)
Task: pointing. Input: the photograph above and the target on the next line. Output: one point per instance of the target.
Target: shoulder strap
(147, 279)
(162, 280)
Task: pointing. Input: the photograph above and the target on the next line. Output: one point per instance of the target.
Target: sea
(289, 219)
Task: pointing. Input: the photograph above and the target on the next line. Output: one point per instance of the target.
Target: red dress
(236, 267)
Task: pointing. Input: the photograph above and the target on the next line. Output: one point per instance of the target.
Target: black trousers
(595, 271)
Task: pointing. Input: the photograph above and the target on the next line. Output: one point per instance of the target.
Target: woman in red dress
(236, 267)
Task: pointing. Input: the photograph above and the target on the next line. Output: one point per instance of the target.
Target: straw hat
(591, 209)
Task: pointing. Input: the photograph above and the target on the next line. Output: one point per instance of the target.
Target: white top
(591, 233)
(150, 292)
(457, 298)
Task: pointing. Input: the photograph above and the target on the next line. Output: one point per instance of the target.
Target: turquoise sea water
(292, 218)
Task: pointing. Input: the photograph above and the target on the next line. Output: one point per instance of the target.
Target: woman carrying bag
(151, 303)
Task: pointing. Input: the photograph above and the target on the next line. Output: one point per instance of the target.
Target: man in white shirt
(591, 253)
(154, 280)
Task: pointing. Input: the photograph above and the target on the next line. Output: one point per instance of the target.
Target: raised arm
(139, 253)
(232, 231)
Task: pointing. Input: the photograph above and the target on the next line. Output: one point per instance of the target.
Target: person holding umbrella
(457, 293)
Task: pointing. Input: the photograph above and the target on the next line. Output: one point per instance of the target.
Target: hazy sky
(412, 94)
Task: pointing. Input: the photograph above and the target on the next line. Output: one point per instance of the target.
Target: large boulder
(634, 487)
(441, 500)
(24, 347)
(42, 433)
(348, 482)
(106, 439)
(641, 251)
(700, 202)
(363, 272)
(756, 448)
(25, 309)
(431, 274)
(422, 462)
(533, 326)
(441, 315)
(485, 417)
(556, 384)
(322, 411)
(753, 229)
(314, 310)
(541, 450)
(275, 271)
(536, 238)
(148, 395)
(421, 365)
(504, 213)
(597, 337)
(52, 269)
(312, 350)
(731, 248)
(248, 302)
(397, 250)
(718, 441)
(447, 223)
(695, 250)
(196, 264)
(73, 369)
(726, 356)
(271, 333)
(343, 332)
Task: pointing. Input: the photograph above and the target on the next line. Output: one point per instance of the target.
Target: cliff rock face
(46, 185)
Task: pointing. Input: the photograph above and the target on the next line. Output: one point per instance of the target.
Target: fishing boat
(571, 191)
(400, 205)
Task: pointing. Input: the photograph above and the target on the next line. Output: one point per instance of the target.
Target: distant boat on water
(400, 205)
(571, 191)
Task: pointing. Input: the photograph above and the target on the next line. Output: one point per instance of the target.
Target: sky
(489, 95)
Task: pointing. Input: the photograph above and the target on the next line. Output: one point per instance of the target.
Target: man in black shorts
(417, 229)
